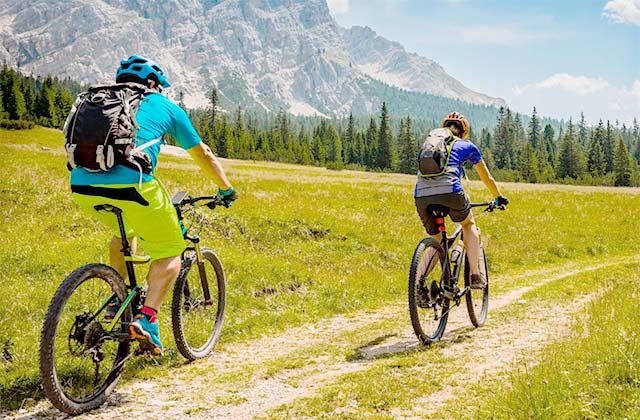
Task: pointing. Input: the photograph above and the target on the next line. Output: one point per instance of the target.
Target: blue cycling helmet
(144, 69)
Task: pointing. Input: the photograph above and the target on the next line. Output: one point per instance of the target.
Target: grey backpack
(100, 131)
(435, 152)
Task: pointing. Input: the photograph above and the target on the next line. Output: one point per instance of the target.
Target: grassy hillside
(301, 244)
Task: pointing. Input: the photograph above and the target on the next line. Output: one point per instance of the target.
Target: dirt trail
(492, 349)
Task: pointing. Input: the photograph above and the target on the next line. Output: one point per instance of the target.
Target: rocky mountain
(268, 54)
(390, 63)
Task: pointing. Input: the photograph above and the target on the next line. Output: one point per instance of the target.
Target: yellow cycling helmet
(456, 116)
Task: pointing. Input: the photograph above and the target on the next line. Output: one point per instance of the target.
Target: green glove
(228, 196)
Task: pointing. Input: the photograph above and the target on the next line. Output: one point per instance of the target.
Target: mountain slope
(389, 62)
(268, 54)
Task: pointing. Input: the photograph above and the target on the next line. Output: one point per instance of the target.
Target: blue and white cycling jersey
(156, 117)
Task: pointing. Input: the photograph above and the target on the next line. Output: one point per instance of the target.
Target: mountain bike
(83, 350)
(433, 280)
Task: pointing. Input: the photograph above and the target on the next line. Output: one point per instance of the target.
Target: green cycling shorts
(147, 213)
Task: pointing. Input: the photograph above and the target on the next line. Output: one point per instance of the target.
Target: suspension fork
(201, 271)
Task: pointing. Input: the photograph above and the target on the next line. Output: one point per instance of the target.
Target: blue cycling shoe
(147, 334)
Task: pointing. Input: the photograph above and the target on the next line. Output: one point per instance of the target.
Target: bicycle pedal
(147, 351)
(462, 292)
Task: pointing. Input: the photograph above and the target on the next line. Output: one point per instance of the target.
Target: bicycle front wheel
(477, 299)
(81, 357)
(428, 308)
(198, 305)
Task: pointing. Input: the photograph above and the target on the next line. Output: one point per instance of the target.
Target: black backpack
(435, 152)
(100, 131)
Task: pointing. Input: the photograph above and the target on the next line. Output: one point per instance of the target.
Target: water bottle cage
(455, 256)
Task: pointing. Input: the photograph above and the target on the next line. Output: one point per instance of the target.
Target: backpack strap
(146, 145)
(449, 144)
(70, 149)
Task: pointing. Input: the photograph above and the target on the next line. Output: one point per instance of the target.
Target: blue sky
(563, 56)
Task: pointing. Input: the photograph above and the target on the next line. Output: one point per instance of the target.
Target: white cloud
(338, 6)
(581, 85)
(623, 11)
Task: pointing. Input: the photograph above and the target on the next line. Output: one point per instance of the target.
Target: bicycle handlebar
(490, 206)
(214, 201)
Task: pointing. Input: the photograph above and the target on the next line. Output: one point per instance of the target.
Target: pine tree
(29, 97)
(306, 153)
(243, 146)
(386, 150)
(582, 131)
(371, 144)
(518, 130)
(63, 103)
(570, 158)
(534, 134)
(334, 147)
(622, 167)
(504, 139)
(319, 151)
(14, 104)
(528, 165)
(409, 149)
(608, 146)
(549, 144)
(45, 105)
(349, 144)
(225, 140)
(595, 158)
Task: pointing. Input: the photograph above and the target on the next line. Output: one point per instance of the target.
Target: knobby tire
(477, 299)
(189, 284)
(51, 383)
(417, 275)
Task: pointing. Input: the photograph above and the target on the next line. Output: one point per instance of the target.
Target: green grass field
(306, 243)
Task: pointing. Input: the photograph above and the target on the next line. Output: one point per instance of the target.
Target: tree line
(576, 153)
(25, 100)
(604, 154)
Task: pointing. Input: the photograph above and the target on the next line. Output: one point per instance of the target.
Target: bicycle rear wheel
(477, 299)
(428, 315)
(80, 361)
(197, 319)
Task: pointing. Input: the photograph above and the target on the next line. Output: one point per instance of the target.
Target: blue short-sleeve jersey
(156, 117)
(461, 152)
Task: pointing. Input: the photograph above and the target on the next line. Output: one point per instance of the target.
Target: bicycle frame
(446, 242)
(136, 293)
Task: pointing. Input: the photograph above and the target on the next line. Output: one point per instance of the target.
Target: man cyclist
(147, 209)
(446, 190)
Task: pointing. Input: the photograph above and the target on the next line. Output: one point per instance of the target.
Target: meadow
(306, 244)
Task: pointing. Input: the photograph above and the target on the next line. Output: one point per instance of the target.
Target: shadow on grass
(381, 348)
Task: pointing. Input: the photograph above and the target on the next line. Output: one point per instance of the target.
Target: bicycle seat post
(126, 247)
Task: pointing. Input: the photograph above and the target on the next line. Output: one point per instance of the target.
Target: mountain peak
(272, 54)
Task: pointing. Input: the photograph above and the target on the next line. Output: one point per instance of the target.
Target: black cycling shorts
(456, 202)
